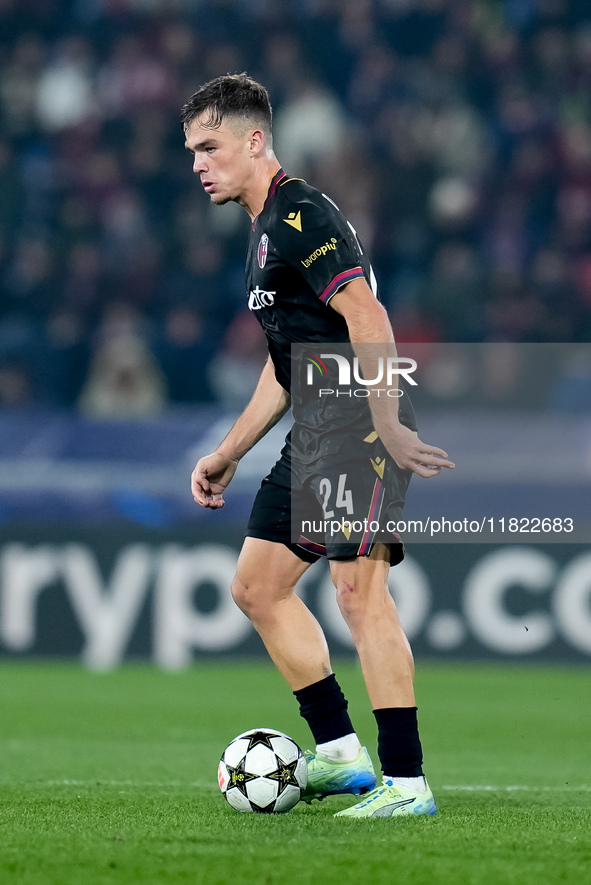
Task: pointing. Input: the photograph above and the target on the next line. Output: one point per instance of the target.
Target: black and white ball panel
(262, 770)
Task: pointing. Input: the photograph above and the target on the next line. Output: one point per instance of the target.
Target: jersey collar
(275, 182)
(278, 177)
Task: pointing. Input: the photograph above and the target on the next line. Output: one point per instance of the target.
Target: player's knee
(349, 600)
(242, 595)
(361, 603)
(251, 597)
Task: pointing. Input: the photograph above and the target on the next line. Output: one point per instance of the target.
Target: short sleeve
(318, 241)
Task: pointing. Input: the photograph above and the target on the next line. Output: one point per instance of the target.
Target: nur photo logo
(348, 371)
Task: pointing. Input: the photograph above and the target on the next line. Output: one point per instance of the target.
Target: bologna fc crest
(263, 248)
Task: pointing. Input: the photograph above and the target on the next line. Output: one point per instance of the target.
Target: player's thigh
(267, 571)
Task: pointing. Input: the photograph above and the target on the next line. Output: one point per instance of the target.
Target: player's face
(222, 160)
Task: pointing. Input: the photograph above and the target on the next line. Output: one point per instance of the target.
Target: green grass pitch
(111, 778)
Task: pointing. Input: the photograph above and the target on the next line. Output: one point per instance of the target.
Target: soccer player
(300, 294)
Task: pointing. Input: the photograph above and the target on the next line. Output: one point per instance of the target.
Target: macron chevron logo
(294, 219)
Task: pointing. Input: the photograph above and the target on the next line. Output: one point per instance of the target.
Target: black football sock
(399, 745)
(324, 707)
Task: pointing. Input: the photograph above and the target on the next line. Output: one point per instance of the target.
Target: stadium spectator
(235, 369)
(124, 382)
(184, 352)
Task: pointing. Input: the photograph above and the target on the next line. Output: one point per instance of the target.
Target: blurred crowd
(455, 134)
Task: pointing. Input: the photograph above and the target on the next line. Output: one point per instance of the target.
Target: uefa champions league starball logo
(263, 248)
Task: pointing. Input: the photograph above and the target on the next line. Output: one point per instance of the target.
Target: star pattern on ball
(284, 775)
(261, 737)
(239, 777)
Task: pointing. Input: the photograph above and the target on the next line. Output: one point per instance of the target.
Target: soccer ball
(263, 770)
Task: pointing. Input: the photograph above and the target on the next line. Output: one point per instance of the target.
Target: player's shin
(324, 707)
(399, 744)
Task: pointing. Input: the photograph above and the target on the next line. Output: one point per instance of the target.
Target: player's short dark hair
(231, 96)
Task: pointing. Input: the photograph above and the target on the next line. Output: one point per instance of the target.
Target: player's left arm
(368, 324)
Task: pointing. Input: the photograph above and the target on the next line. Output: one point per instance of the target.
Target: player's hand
(411, 453)
(210, 478)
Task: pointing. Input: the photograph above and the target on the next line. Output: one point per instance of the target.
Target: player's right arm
(213, 473)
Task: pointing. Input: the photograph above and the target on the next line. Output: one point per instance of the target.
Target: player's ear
(256, 142)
